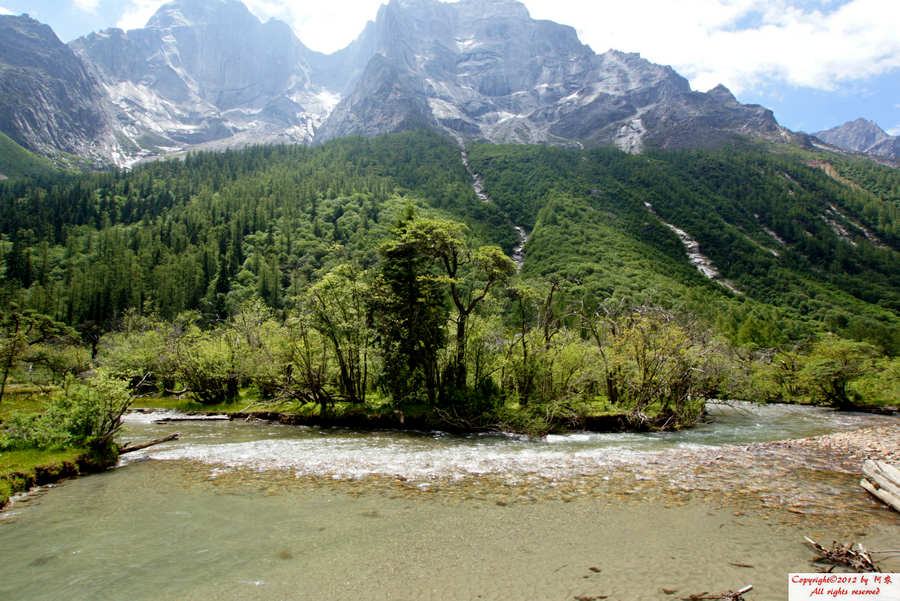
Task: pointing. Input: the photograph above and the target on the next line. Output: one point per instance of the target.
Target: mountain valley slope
(791, 244)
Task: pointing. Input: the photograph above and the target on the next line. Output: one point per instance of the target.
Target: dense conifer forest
(368, 271)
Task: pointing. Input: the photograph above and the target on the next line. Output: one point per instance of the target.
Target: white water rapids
(424, 455)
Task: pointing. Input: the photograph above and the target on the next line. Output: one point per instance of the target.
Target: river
(239, 510)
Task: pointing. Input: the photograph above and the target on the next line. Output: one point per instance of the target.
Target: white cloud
(323, 26)
(744, 44)
(88, 6)
(894, 131)
(138, 13)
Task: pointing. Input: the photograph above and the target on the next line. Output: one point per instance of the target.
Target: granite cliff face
(208, 72)
(49, 102)
(484, 69)
(862, 136)
(202, 71)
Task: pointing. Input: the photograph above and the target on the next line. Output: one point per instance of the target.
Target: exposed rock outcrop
(49, 101)
(208, 72)
(862, 136)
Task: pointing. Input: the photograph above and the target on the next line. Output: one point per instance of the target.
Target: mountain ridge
(863, 136)
(210, 74)
(49, 102)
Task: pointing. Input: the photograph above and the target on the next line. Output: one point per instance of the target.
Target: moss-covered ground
(20, 470)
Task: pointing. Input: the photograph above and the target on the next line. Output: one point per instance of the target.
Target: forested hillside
(811, 248)
(213, 229)
(794, 247)
(370, 267)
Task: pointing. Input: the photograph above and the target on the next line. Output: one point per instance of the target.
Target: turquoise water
(256, 511)
(424, 455)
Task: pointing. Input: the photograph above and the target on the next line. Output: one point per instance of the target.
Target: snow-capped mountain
(208, 72)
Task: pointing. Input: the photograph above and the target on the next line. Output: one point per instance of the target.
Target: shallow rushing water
(256, 511)
(426, 455)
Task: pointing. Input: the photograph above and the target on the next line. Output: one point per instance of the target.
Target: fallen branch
(191, 418)
(128, 448)
(844, 554)
(729, 596)
(882, 481)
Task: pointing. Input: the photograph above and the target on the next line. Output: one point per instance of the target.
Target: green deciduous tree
(20, 332)
(338, 308)
(832, 366)
(667, 363)
(469, 275)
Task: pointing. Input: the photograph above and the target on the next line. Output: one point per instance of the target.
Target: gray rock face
(208, 72)
(486, 70)
(49, 102)
(693, 120)
(202, 71)
(386, 100)
(862, 136)
(489, 71)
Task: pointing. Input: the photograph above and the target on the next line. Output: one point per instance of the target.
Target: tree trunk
(882, 481)
(128, 448)
(461, 351)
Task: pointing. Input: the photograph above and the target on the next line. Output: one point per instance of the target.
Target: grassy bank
(51, 433)
(21, 470)
(379, 413)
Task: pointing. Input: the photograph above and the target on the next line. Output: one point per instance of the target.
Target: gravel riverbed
(880, 443)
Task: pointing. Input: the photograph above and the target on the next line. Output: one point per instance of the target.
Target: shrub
(86, 415)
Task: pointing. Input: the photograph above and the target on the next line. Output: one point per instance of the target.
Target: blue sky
(815, 63)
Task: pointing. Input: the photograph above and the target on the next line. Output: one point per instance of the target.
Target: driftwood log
(882, 480)
(128, 447)
(729, 596)
(844, 554)
(192, 418)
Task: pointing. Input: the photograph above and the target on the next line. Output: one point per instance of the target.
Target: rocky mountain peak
(51, 102)
(488, 70)
(723, 95)
(862, 136)
(192, 13)
(484, 69)
(27, 43)
(210, 72)
(202, 71)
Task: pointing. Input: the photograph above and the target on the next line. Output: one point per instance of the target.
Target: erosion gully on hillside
(518, 253)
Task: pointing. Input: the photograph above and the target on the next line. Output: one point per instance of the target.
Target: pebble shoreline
(879, 443)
